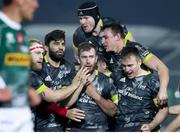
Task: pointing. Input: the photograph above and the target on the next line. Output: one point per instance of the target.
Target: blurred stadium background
(154, 23)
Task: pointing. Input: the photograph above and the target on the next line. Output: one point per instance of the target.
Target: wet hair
(54, 35)
(7, 2)
(86, 46)
(130, 51)
(34, 42)
(116, 28)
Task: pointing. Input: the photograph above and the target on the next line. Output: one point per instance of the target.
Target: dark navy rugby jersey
(80, 36)
(95, 118)
(54, 78)
(136, 105)
(114, 60)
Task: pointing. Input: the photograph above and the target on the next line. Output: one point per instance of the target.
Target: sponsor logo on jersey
(48, 78)
(10, 40)
(122, 79)
(111, 61)
(20, 38)
(17, 59)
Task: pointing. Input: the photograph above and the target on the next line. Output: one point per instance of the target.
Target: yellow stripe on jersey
(17, 59)
(74, 46)
(114, 98)
(101, 23)
(97, 72)
(41, 89)
(155, 101)
(63, 87)
(147, 58)
(108, 74)
(46, 58)
(129, 34)
(148, 72)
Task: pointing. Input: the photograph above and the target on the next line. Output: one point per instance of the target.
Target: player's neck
(54, 63)
(97, 29)
(13, 14)
(142, 72)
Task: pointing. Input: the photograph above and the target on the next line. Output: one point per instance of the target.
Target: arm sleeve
(145, 53)
(154, 85)
(37, 83)
(110, 92)
(62, 111)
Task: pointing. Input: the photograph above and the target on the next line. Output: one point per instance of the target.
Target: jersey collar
(9, 22)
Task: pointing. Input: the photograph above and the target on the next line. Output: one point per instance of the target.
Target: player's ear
(78, 60)
(118, 36)
(139, 61)
(96, 58)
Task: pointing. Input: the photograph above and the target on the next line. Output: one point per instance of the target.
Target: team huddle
(115, 84)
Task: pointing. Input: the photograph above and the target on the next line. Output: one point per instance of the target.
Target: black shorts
(50, 129)
(73, 129)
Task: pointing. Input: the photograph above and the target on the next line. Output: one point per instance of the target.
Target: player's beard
(55, 57)
(36, 66)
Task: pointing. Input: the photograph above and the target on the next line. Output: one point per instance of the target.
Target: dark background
(154, 23)
(163, 13)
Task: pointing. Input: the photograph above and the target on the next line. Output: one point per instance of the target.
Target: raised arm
(63, 93)
(174, 109)
(160, 116)
(174, 125)
(74, 96)
(105, 104)
(156, 64)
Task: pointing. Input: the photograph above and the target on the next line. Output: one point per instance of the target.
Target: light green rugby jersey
(14, 61)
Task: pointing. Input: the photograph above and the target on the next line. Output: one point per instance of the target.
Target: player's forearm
(163, 73)
(33, 97)
(5, 95)
(66, 92)
(156, 64)
(62, 111)
(106, 105)
(174, 109)
(73, 98)
(58, 95)
(160, 116)
(174, 125)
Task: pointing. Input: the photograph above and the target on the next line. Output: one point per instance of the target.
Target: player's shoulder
(70, 67)
(68, 63)
(78, 31)
(105, 78)
(132, 44)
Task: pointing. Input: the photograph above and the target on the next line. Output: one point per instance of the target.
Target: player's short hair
(7, 2)
(130, 51)
(86, 46)
(34, 44)
(54, 35)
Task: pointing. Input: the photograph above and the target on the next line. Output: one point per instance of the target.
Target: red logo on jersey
(20, 38)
